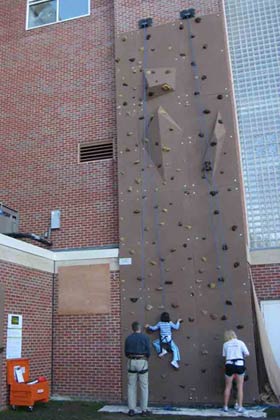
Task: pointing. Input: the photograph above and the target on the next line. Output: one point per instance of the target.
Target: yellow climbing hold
(165, 149)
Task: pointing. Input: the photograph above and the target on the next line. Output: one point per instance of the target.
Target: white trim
(57, 20)
(32, 256)
(264, 256)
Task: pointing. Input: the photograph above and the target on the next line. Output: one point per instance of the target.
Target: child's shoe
(163, 353)
(175, 364)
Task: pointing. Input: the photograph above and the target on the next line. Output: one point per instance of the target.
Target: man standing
(137, 350)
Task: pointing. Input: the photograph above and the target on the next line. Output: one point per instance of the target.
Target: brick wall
(267, 281)
(29, 292)
(57, 89)
(87, 353)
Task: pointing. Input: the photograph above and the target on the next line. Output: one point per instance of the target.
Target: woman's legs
(240, 382)
(228, 386)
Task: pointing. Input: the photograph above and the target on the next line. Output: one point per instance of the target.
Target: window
(45, 12)
(254, 48)
(271, 314)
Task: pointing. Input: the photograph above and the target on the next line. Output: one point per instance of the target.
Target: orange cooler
(25, 394)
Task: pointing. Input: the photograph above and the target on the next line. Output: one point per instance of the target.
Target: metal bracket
(187, 13)
(145, 23)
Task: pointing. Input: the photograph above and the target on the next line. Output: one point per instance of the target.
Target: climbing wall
(182, 235)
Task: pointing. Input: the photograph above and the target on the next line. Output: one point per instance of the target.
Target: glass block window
(254, 39)
(45, 12)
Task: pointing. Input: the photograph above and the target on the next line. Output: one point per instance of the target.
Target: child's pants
(173, 346)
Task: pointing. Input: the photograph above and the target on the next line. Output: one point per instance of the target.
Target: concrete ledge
(255, 412)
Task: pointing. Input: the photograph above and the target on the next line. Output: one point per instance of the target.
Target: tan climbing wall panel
(84, 289)
(180, 203)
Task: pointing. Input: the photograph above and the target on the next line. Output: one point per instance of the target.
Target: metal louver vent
(96, 151)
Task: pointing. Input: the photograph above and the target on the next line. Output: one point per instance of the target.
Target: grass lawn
(85, 411)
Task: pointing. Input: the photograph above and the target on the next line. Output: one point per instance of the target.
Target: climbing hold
(152, 262)
(203, 370)
(162, 259)
(213, 143)
(190, 319)
(181, 26)
(131, 252)
(204, 312)
(174, 305)
(146, 229)
(220, 121)
(139, 278)
(205, 46)
(127, 149)
(214, 316)
(117, 60)
(236, 264)
(159, 288)
(164, 210)
(182, 386)
(148, 307)
(201, 271)
(124, 38)
(193, 63)
(229, 302)
(216, 212)
(132, 59)
(137, 211)
(137, 181)
(206, 111)
(239, 326)
(220, 97)
(165, 149)
(161, 306)
(224, 247)
(197, 20)
(201, 135)
(221, 279)
(204, 352)
(163, 376)
(141, 49)
(167, 271)
(185, 245)
(133, 300)
(203, 77)
(129, 133)
(204, 259)
(136, 162)
(213, 193)
(148, 37)
(188, 227)
(234, 228)
(168, 282)
(166, 87)
(196, 93)
(212, 285)
(130, 189)
(161, 223)
(180, 224)
(173, 250)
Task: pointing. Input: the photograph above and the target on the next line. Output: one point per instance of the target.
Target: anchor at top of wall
(145, 23)
(187, 13)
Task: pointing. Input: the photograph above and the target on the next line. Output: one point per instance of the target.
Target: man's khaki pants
(137, 366)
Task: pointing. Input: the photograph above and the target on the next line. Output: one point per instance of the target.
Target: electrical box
(9, 219)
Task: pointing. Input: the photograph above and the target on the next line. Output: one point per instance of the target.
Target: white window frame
(28, 4)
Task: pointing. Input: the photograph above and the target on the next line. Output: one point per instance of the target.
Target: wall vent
(95, 151)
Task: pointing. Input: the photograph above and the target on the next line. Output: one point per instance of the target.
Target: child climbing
(165, 327)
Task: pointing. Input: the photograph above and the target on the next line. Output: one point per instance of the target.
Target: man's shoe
(131, 413)
(163, 353)
(146, 413)
(175, 364)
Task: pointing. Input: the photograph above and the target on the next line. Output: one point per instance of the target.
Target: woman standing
(234, 351)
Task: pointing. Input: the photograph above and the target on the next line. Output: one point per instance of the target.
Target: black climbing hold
(216, 212)
(132, 59)
(139, 278)
(173, 250)
(180, 224)
(207, 166)
(220, 121)
(148, 37)
(240, 326)
(189, 258)
(223, 318)
(172, 178)
(124, 103)
(206, 111)
(221, 172)
(151, 94)
(221, 279)
(182, 386)
(192, 36)
(185, 245)
(133, 300)
(190, 319)
(193, 63)
(182, 55)
(203, 77)
(141, 118)
(174, 305)
(224, 247)
(234, 228)
(145, 23)
(213, 143)
(187, 13)
(203, 370)
(203, 238)
(236, 264)
(125, 84)
(162, 259)
(181, 26)
(201, 135)
(213, 193)
(168, 282)
(229, 302)
(196, 93)
(197, 20)
(229, 189)
(220, 97)
(205, 46)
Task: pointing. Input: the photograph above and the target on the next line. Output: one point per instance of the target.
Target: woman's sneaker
(163, 353)
(241, 410)
(225, 408)
(236, 406)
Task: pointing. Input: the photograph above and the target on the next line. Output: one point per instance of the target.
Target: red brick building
(58, 97)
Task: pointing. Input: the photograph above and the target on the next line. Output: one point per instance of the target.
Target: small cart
(22, 392)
